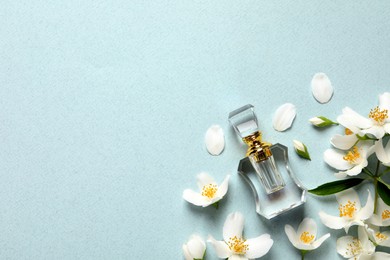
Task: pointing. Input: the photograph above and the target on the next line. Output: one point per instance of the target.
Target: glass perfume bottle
(266, 168)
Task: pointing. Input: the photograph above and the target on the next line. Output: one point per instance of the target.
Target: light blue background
(104, 106)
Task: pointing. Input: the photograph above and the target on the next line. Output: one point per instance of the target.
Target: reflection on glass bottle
(279, 190)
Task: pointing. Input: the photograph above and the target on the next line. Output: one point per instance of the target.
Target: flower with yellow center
(382, 216)
(210, 193)
(305, 236)
(350, 211)
(195, 248)
(349, 163)
(377, 123)
(378, 237)
(235, 246)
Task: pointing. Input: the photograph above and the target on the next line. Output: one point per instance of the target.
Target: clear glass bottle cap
(244, 121)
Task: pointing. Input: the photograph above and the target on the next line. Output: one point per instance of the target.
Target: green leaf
(336, 186)
(215, 204)
(384, 192)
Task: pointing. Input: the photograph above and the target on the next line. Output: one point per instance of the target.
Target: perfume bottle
(266, 168)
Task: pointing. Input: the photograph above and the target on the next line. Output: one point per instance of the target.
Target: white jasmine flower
(321, 87)
(214, 139)
(301, 149)
(383, 153)
(321, 121)
(351, 212)
(356, 248)
(348, 163)
(382, 217)
(377, 237)
(235, 246)
(377, 123)
(344, 142)
(305, 237)
(284, 117)
(195, 248)
(210, 192)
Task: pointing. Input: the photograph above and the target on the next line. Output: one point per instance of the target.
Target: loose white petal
(284, 117)
(335, 159)
(221, 248)
(259, 246)
(215, 140)
(343, 142)
(321, 87)
(234, 225)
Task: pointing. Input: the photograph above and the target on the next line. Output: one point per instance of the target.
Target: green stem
(303, 253)
(376, 195)
(377, 168)
(368, 172)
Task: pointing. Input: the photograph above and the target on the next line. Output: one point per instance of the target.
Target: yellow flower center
(354, 248)
(353, 155)
(209, 190)
(386, 214)
(347, 210)
(237, 245)
(378, 115)
(380, 236)
(306, 237)
(348, 131)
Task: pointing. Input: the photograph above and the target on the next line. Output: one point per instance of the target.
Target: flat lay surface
(104, 106)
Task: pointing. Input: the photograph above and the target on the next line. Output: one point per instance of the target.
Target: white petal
(367, 245)
(387, 128)
(214, 139)
(343, 142)
(316, 121)
(380, 152)
(259, 246)
(367, 211)
(384, 101)
(355, 170)
(342, 246)
(377, 256)
(233, 226)
(335, 159)
(284, 116)
(221, 248)
(307, 225)
(377, 131)
(355, 119)
(321, 87)
(195, 198)
(187, 253)
(299, 145)
(349, 195)
(196, 246)
(291, 234)
(332, 221)
(318, 242)
(238, 257)
(222, 189)
(204, 179)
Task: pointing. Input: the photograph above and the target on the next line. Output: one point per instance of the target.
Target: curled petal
(355, 119)
(291, 234)
(234, 225)
(318, 242)
(343, 142)
(259, 246)
(335, 159)
(195, 198)
(367, 211)
(284, 117)
(382, 155)
(214, 139)
(377, 131)
(355, 170)
(221, 248)
(203, 179)
(332, 221)
(222, 189)
(321, 87)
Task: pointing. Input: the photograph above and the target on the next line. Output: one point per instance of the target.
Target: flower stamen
(378, 115)
(354, 248)
(348, 131)
(353, 155)
(347, 210)
(306, 237)
(380, 236)
(237, 245)
(386, 214)
(209, 191)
